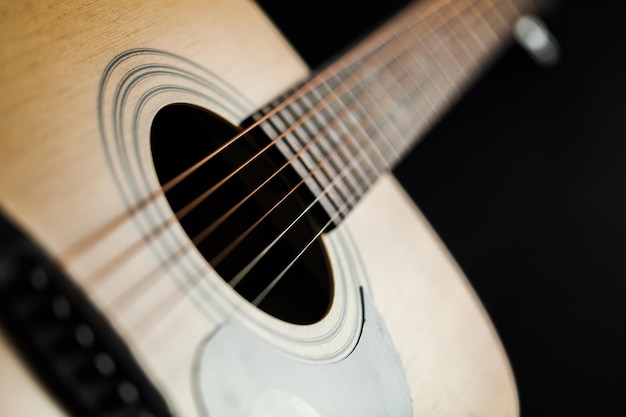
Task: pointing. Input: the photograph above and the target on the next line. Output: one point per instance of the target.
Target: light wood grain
(56, 184)
(451, 352)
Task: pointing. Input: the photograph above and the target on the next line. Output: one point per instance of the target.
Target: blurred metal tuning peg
(533, 35)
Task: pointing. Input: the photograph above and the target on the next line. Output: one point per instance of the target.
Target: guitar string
(168, 303)
(310, 84)
(348, 110)
(264, 293)
(141, 284)
(397, 59)
(74, 251)
(140, 243)
(197, 238)
(106, 269)
(259, 299)
(246, 269)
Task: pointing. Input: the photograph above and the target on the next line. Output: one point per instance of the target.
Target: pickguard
(239, 375)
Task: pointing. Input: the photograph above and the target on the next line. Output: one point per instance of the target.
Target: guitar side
(55, 184)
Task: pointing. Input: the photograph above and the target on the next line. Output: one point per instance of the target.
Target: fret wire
(456, 62)
(411, 91)
(507, 20)
(459, 33)
(496, 20)
(299, 166)
(434, 51)
(396, 41)
(362, 180)
(356, 196)
(388, 31)
(383, 102)
(322, 173)
(371, 76)
(304, 159)
(472, 26)
(418, 93)
(454, 79)
(406, 83)
(376, 122)
(359, 178)
(351, 128)
(419, 78)
(363, 51)
(268, 128)
(371, 52)
(326, 142)
(378, 159)
(432, 44)
(486, 26)
(335, 138)
(469, 24)
(463, 48)
(292, 138)
(427, 77)
(320, 148)
(347, 188)
(308, 123)
(293, 143)
(366, 121)
(431, 52)
(489, 37)
(513, 8)
(500, 16)
(296, 164)
(390, 143)
(329, 190)
(388, 83)
(493, 8)
(389, 154)
(385, 154)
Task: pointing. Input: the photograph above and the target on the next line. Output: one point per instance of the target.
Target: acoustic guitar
(194, 223)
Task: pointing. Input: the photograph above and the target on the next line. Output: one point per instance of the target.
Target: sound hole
(252, 232)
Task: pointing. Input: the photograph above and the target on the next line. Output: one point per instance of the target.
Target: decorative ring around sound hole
(134, 87)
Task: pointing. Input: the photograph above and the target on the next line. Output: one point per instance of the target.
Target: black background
(524, 180)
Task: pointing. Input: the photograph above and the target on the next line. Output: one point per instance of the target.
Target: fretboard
(357, 117)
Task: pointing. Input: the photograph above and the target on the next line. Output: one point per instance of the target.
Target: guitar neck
(357, 117)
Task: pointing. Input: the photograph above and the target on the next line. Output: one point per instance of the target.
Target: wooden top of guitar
(58, 184)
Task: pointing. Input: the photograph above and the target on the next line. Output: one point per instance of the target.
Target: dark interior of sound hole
(229, 228)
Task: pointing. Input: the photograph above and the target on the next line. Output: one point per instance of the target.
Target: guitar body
(62, 182)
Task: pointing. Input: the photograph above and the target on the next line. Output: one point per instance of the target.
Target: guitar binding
(67, 343)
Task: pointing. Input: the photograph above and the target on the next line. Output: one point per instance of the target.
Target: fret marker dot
(128, 392)
(61, 307)
(39, 279)
(104, 364)
(84, 335)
